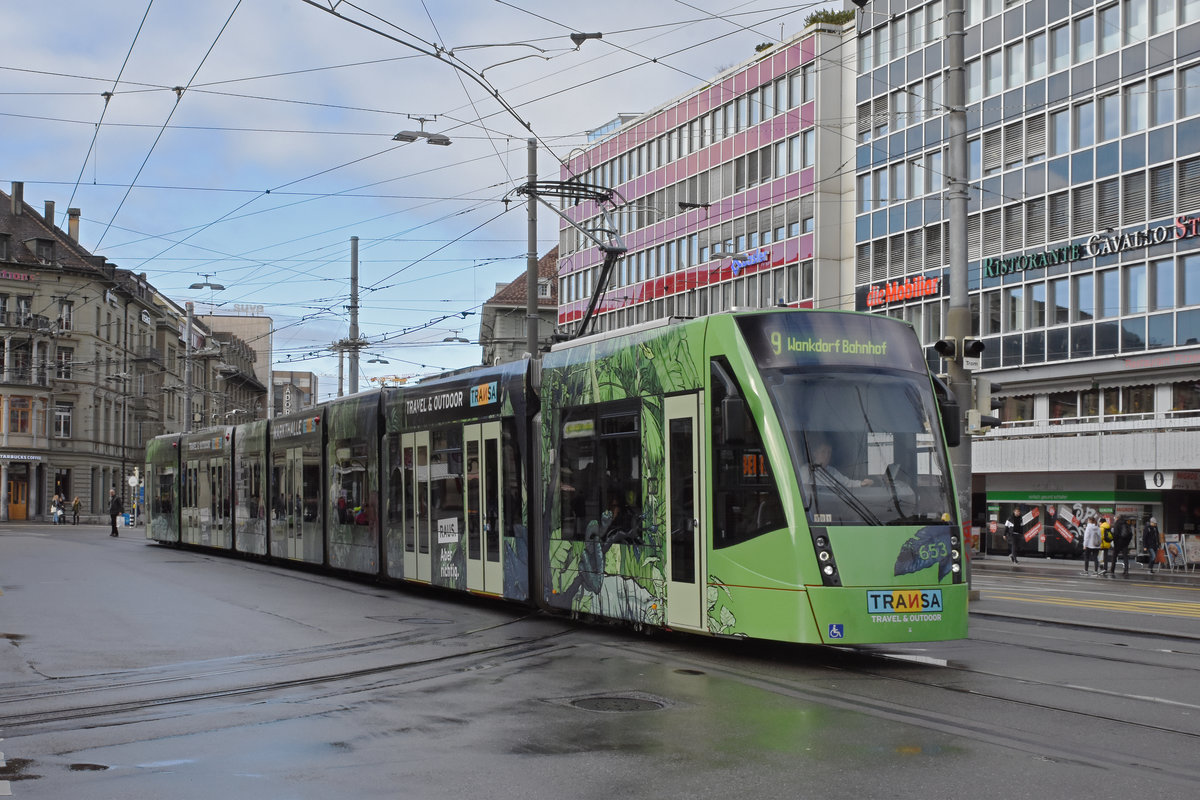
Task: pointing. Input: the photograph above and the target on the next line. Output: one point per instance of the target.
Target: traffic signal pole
(958, 319)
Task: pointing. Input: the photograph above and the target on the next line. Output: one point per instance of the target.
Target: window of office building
(1162, 280)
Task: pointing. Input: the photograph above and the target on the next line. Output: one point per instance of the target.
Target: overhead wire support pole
(532, 318)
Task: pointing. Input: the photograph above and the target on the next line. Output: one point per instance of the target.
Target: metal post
(958, 320)
(531, 264)
(187, 371)
(353, 314)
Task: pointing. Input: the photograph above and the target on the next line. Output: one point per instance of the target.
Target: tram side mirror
(733, 420)
(950, 411)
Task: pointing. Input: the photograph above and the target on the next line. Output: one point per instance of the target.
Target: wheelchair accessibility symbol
(836, 631)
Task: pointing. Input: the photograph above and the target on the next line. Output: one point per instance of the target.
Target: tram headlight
(828, 570)
(824, 556)
(821, 542)
(955, 568)
(954, 554)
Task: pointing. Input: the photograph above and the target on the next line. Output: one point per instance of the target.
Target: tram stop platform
(999, 564)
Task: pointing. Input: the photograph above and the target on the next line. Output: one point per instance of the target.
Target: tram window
(746, 499)
(513, 481)
(446, 480)
(600, 482)
(349, 482)
(395, 483)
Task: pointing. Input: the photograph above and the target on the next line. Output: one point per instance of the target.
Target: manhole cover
(617, 704)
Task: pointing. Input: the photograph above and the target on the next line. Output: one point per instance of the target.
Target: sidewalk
(997, 563)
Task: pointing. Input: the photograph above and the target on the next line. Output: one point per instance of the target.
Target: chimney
(18, 197)
(73, 223)
(49, 215)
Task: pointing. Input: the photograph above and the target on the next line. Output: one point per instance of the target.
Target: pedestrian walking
(1122, 538)
(1091, 546)
(1010, 533)
(75, 506)
(114, 509)
(1151, 541)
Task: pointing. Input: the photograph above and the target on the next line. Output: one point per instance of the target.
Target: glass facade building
(1083, 145)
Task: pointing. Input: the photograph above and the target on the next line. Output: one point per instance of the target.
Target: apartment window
(1060, 48)
(1085, 125)
(1162, 284)
(1037, 304)
(866, 50)
(1137, 13)
(1162, 16)
(974, 81)
(1135, 289)
(62, 420)
(993, 74)
(808, 83)
(1136, 107)
(1014, 65)
(1189, 280)
(1037, 56)
(1109, 19)
(1060, 133)
(1085, 35)
(1162, 99)
(19, 414)
(1014, 301)
(1109, 298)
(809, 140)
(916, 28)
(1110, 117)
(1085, 297)
(1189, 91)
(63, 360)
(1059, 301)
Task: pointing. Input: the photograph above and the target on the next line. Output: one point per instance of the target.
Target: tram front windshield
(866, 446)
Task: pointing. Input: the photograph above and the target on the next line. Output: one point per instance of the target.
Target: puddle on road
(17, 769)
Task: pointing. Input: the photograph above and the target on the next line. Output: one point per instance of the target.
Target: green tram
(776, 475)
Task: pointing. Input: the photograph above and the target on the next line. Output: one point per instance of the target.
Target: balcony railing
(25, 321)
(25, 375)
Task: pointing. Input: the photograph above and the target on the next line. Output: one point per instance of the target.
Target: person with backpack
(1106, 543)
(1122, 538)
(1151, 542)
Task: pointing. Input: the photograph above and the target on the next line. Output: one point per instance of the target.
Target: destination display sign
(816, 338)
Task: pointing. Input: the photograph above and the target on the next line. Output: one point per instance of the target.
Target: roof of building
(514, 293)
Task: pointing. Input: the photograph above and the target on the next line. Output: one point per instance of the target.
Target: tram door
(686, 585)
(417, 559)
(485, 572)
(197, 511)
(293, 497)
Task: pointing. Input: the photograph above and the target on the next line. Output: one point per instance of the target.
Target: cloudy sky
(243, 142)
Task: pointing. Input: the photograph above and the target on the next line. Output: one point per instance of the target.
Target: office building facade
(1083, 143)
(722, 192)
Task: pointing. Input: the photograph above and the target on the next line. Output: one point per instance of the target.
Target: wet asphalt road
(129, 670)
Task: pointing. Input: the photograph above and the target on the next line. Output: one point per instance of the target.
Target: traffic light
(972, 348)
(946, 348)
(979, 418)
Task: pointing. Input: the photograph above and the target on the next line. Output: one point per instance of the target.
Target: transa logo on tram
(905, 601)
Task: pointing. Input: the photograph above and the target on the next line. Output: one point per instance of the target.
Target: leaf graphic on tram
(930, 546)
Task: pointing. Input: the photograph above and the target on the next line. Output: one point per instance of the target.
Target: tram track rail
(101, 712)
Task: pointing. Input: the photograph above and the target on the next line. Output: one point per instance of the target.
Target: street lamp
(411, 136)
(206, 284)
